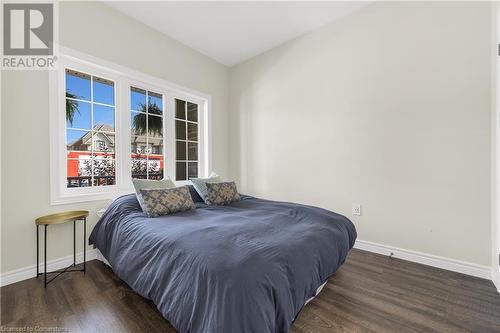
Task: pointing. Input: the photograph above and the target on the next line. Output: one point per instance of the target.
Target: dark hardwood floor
(370, 293)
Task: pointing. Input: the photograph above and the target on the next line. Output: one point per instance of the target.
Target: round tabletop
(62, 217)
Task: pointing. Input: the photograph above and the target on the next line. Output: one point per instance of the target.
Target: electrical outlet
(356, 209)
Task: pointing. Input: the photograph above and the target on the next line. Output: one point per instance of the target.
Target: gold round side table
(58, 218)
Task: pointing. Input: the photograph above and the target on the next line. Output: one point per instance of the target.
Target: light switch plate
(356, 209)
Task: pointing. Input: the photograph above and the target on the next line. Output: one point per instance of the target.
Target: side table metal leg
(45, 256)
(37, 252)
(74, 243)
(84, 243)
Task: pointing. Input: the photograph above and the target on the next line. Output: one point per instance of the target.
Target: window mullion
(123, 133)
(120, 139)
(187, 145)
(170, 138)
(147, 135)
(91, 132)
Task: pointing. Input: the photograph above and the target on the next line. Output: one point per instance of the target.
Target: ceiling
(232, 32)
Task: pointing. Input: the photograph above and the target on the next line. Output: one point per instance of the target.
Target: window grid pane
(180, 171)
(192, 151)
(180, 109)
(181, 150)
(192, 170)
(90, 145)
(192, 112)
(186, 133)
(146, 134)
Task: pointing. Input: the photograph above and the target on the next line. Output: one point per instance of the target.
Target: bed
(247, 267)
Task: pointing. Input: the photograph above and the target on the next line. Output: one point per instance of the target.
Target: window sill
(182, 182)
(86, 197)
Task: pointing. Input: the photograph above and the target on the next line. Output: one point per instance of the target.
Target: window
(90, 130)
(186, 144)
(146, 134)
(110, 124)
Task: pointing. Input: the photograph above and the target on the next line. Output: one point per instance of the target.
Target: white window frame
(123, 78)
(201, 142)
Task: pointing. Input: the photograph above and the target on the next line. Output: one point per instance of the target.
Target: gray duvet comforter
(247, 267)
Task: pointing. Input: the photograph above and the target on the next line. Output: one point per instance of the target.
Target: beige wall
(100, 31)
(389, 107)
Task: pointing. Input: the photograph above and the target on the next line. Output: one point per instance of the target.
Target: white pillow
(200, 184)
(146, 184)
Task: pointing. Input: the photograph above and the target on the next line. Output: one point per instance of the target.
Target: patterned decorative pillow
(222, 193)
(167, 201)
(146, 184)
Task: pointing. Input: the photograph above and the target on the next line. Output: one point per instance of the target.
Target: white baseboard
(30, 271)
(495, 277)
(427, 259)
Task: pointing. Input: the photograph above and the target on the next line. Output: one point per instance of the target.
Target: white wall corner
(52, 265)
(495, 160)
(454, 265)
